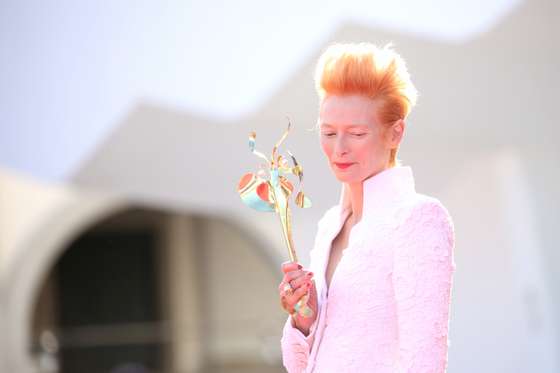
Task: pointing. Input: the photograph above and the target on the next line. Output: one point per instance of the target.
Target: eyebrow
(350, 126)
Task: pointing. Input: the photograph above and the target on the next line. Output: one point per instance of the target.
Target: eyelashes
(353, 134)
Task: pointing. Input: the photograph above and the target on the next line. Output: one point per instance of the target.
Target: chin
(344, 178)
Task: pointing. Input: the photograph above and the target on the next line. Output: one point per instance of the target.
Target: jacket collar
(380, 190)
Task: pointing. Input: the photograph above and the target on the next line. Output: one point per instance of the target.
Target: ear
(396, 133)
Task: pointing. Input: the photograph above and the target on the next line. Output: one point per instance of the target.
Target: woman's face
(352, 138)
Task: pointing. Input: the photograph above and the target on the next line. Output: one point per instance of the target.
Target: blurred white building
(125, 128)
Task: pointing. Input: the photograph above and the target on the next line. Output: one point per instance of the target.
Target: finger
(286, 306)
(293, 298)
(286, 280)
(302, 280)
(294, 279)
(298, 280)
(293, 275)
(290, 266)
(285, 290)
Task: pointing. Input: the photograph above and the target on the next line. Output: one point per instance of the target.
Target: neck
(356, 191)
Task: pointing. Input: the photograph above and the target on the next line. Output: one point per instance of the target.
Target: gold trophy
(269, 191)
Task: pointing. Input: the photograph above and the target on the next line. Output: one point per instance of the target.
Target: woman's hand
(301, 282)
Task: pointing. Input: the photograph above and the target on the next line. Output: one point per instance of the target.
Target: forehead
(347, 111)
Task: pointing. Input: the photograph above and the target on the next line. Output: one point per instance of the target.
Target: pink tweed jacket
(387, 307)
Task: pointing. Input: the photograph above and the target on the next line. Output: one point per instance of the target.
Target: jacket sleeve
(422, 280)
(296, 346)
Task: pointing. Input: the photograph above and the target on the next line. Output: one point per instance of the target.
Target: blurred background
(124, 246)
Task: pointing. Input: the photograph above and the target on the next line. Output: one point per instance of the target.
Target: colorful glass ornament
(272, 194)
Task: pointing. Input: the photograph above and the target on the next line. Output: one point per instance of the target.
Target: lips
(343, 166)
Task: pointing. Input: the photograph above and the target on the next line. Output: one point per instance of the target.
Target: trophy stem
(283, 210)
(285, 219)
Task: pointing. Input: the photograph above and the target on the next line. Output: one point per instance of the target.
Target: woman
(381, 269)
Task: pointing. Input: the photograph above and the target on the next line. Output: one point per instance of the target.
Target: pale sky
(71, 72)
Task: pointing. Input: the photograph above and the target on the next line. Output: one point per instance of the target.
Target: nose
(340, 148)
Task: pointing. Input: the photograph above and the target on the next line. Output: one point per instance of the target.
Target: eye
(330, 134)
(359, 134)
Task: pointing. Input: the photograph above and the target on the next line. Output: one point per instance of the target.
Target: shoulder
(425, 215)
(431, 206)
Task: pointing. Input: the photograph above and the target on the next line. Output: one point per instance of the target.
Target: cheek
(326, 148)
(368, 151)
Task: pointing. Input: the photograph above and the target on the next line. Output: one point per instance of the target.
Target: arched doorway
(145, 290)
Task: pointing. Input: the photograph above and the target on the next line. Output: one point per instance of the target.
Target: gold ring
(288, 288)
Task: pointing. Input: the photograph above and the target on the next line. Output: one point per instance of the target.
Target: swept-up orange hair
(378, 73)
